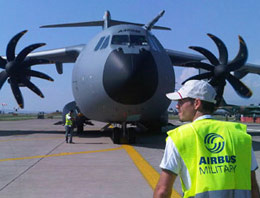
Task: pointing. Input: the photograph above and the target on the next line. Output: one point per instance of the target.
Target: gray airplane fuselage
(123, 74)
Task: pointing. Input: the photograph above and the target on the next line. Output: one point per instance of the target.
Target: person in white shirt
(196, 103)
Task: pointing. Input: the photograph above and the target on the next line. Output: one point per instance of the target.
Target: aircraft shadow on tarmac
(143, 139)
(87, 134)
(27, 132)
(254, 133)
(256, 146)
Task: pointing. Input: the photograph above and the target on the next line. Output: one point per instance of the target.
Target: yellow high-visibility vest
(218, 158)
(68, 121)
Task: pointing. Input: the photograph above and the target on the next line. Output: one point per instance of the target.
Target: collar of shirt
(203, 117)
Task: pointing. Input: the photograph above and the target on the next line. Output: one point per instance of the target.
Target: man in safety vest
(214, 159)
(69, 126)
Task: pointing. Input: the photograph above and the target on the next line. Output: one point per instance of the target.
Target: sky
(190, 21)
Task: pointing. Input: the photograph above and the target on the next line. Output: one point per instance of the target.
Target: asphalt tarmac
(35, 161)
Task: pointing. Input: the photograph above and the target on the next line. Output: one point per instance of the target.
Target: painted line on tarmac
(31, 139)
(61, 154)
(148, 172)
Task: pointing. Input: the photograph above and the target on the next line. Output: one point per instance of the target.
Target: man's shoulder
(204, 122)
(211, 121)
(179, 129)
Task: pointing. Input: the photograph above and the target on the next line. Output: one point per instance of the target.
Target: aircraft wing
(60, 55)
(179, 58)
(247, 68)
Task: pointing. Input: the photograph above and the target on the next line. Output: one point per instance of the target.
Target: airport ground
(35, 161)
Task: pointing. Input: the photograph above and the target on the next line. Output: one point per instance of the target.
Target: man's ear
(197, 104)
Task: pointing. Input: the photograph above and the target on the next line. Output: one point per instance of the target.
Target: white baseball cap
(195, 89)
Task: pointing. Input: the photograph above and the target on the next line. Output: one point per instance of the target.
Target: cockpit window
(105, 44)
(99, 43)
(120, 40)
(126, 40)
(138, 40)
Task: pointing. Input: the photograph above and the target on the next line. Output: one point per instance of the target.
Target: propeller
(17, 69)
(218, 70)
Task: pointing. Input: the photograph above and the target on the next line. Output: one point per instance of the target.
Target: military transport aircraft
(122, 75)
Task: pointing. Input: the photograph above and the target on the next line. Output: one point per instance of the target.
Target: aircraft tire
(154, 127)
(80, 128)
(131, 135)
(116, 135)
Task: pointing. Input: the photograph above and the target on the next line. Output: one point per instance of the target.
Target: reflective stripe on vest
(217, 155)
(68, 121)
(224, 194)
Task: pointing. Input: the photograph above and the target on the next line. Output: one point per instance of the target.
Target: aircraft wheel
(131, 135)
(80, 128)
(116, 135)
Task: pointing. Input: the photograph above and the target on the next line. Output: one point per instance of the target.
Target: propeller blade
(199, 65)
(239, 87)
(2, 63)
(211, 57)
(32, 87)
(17, 68)
(31, 62)
(241, 57)
(199, 77)
(17, 93)
(21, 56)
(38, 75)
(223, 53)
(221, 68)
(3, 77)
(10, 50)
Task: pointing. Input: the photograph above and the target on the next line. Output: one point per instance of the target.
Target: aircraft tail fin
(108, 22)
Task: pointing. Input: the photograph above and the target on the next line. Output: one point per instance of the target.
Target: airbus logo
(214, 143)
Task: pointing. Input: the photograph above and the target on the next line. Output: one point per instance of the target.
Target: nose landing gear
(123, 135)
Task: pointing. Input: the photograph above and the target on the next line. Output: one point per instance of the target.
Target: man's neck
(198, 114)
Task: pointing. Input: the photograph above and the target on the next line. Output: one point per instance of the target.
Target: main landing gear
(123, 135)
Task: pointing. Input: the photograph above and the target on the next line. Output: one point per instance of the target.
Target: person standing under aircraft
(69, 126)
(213, 158)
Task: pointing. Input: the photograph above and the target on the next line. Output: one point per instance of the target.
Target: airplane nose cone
(130, 78)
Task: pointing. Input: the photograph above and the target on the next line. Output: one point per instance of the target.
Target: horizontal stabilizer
(82, 24)
(99, 23)
(114, 22)
(108, 22)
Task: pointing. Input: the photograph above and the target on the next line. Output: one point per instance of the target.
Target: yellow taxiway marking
(60, 154)
(148, 172)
